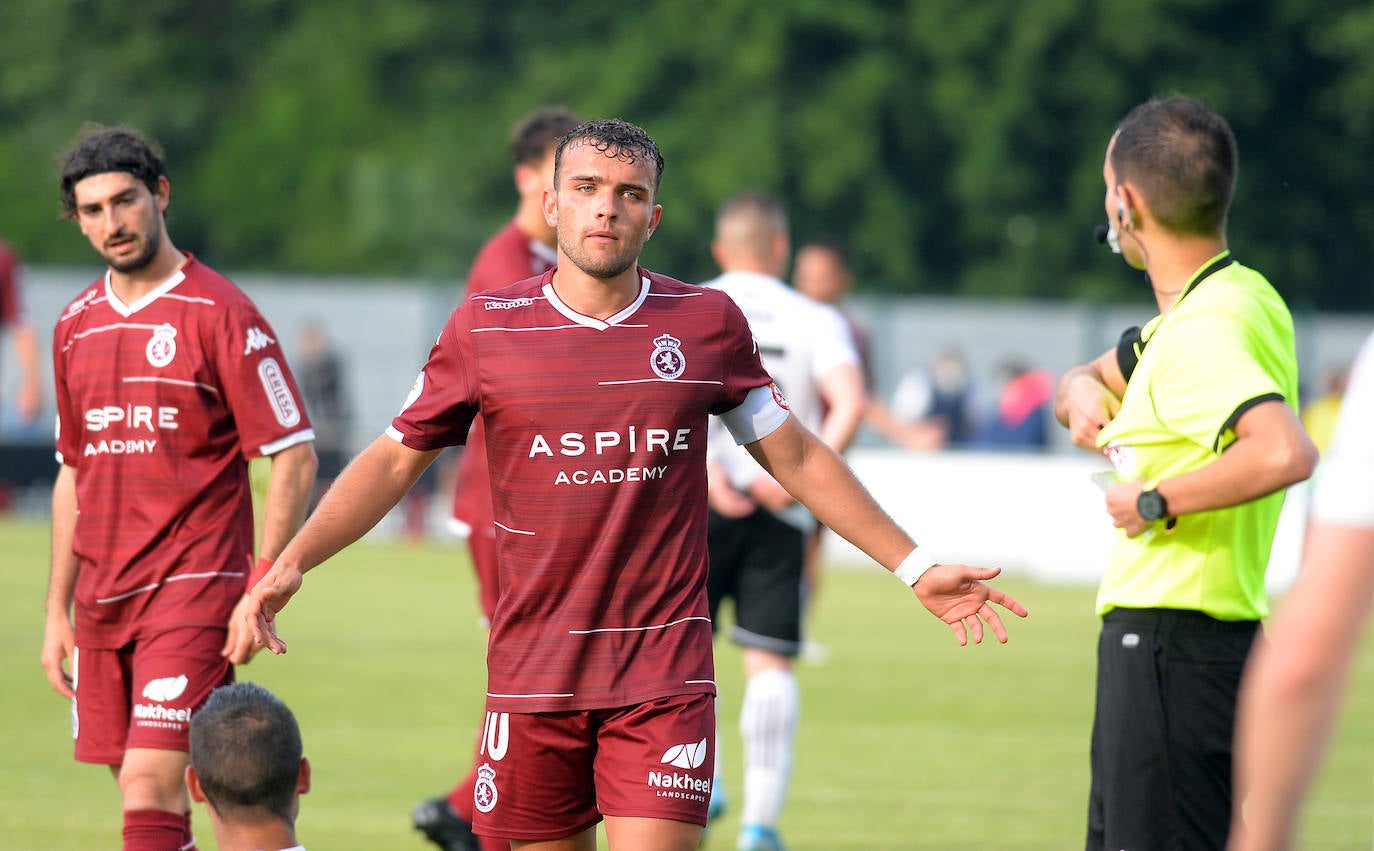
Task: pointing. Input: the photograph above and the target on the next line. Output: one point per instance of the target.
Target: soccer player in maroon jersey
(168, 380)
(596, 380)
(526, 246)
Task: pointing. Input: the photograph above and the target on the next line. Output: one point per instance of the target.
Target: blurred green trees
(955, 147)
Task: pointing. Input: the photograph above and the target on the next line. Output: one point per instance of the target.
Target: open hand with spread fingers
(957, 595)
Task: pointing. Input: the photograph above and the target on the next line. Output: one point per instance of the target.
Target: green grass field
(907, 741)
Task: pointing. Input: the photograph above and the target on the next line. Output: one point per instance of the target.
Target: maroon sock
(156, 830)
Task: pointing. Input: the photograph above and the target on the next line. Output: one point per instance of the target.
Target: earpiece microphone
(1106, 234)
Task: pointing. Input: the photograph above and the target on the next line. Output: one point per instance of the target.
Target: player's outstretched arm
(820, 479)
(364, 492)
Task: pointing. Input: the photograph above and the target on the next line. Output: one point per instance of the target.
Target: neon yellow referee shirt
(1225, 346)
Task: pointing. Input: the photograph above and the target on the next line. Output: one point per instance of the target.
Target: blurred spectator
(320, 376)
(1319, 415)
(931, 408)
(1023, 409)
(29, 401)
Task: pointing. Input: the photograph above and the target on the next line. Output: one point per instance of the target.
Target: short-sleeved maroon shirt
(596, 436)
(160, 404)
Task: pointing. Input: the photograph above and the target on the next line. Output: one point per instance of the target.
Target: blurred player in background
(1293, 685)
(29, 400)
(526, 246)
(758, 534)
(168, 381)
(248, 769)
(597, 379)
(1196, 411)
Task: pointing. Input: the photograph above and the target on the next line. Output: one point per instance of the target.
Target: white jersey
(1343, 488)
(800, 341)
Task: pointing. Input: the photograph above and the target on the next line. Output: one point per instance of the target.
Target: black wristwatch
(1151, 506)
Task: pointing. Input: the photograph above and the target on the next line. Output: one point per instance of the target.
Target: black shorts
(1167, 682)
(757, 562)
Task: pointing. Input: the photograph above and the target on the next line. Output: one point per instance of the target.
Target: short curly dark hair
(99, 149)
(614, 138)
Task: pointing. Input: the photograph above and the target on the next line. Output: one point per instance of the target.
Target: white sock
(768, 721)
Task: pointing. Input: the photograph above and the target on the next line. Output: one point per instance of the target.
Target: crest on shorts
(484, 793)
(668, 361)
(163, 347)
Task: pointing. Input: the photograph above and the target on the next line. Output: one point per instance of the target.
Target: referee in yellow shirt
(1196, 412)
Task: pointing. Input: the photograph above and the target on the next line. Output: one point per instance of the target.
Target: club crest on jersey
(163, 347)
(668, 361)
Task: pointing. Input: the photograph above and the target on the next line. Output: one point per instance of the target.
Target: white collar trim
(130, 309)
(591, 322)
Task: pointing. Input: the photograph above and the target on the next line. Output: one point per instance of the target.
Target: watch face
(1150, 505)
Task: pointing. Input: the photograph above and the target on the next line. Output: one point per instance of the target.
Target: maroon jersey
(596, 432)
(507, 257)
(160, 404)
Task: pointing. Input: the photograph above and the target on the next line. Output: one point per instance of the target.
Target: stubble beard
(151, 244)
(604, 266)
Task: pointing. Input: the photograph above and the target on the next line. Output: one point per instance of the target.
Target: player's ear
(163, 194)
(526, 179)
(193, 786)
(653, 222)
(303, 777)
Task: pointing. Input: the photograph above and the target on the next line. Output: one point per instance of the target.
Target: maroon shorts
(142, 695)
(549, 775)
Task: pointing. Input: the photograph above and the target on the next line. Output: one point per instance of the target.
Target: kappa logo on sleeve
(257, 339)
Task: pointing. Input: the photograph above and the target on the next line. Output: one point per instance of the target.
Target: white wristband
(913, 566)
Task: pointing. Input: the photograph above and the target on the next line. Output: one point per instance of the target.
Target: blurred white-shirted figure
(758, 533)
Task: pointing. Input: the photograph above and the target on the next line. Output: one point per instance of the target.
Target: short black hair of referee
(246, 755)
